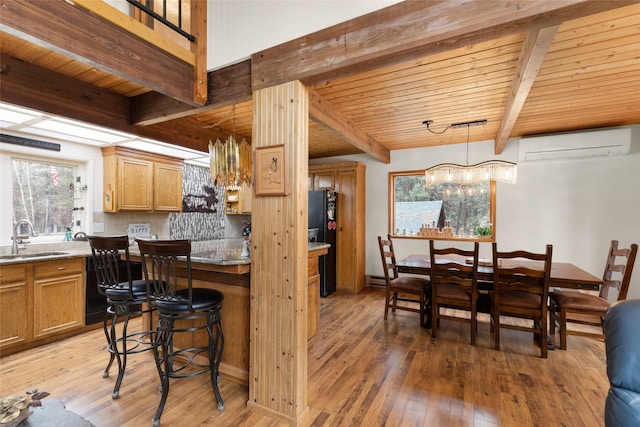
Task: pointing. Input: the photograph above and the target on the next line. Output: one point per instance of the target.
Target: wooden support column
(278, 359)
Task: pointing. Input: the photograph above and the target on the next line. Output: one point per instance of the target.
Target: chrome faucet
(16, 239)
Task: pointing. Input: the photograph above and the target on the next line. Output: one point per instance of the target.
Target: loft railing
(147, 7)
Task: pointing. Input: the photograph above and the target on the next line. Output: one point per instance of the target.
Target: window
(44, 194)
(445, 211)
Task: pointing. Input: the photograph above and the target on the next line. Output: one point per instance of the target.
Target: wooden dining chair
(408, 289)
(589, 309)
(520, 290)
(454, 285)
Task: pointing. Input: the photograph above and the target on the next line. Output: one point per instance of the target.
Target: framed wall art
(270, 177)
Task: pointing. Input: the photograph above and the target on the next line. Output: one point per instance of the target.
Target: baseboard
(375, 281)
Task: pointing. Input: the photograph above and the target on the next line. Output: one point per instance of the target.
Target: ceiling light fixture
(230, 162)
(491, 170)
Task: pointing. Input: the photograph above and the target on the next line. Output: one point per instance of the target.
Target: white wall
(239, 28)
(578, 206)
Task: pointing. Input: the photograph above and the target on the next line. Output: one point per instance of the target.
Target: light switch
(98, 227)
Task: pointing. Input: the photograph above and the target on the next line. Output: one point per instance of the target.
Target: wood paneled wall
(278, 360)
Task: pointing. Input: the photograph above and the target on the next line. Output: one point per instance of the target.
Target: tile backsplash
(202, 216)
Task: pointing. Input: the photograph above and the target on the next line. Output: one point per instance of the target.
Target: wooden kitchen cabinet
(167, 187)
(322, 180)
(313, 294)
(134, 180)
(238, 201)
(40, 300)
(349, 184)
(58, 296)
(14, 305)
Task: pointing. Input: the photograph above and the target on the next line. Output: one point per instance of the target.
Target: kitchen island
(218, 264)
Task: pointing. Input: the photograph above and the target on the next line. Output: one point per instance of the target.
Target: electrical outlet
(98, 227)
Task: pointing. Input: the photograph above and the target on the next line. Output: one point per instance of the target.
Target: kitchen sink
(33, 255)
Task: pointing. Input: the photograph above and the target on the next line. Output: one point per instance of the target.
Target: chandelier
(491, 170)
(230, 162)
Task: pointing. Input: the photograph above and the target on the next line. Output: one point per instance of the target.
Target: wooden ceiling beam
(406, 31)
(226, 86)
(31, 86)
(534, 49)
(72, 31)
(327, 115)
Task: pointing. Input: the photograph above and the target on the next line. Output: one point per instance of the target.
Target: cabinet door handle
(60, 268)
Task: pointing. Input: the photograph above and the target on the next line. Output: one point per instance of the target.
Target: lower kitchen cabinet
(39, 300)
(14, 305)
(58, 296)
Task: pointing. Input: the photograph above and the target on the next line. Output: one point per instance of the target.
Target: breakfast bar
(219, 264)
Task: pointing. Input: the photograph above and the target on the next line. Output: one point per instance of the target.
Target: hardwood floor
(363, 371)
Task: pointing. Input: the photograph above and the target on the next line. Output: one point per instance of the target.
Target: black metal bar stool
(125, 297)
(181, 308)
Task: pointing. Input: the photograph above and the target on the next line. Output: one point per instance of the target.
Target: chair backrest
(388, 259)
(461, 270)
(619, 262)
(160, 266)
(106, 253)
(522, 271)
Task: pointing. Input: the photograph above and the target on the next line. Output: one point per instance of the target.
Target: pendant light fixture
(491, 170)
(230, 162)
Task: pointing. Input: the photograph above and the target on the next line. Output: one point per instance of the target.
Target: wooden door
(167, 188)
(346, 246)
(135, 181)
(246, 195)
(325, 180)
(58, 296)
(14, 308)
(313, 299)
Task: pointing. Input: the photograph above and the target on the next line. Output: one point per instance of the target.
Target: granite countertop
(219, 252)
(45, 252)
(225, 251)
(314, 246)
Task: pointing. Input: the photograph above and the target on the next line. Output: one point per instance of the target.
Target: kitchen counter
(45, 252)
(223, 256)
(218, 264)
(216, 252)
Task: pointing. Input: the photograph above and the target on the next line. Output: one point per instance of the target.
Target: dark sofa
(622, 342)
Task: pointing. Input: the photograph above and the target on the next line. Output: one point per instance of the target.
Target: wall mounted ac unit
(577, 145)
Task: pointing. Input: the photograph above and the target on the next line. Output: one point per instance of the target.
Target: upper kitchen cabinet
(238, 200)
(139, 181)
(348, 180)
(322, 180)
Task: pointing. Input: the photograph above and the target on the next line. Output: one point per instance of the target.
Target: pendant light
(230, 162)
(491, 170)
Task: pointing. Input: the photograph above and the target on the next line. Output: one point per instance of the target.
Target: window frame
(82, 215)
(391, 205)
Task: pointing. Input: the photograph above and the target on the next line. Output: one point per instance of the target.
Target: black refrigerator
(322, 216)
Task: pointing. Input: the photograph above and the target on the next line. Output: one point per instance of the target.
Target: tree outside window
(464, 211)
(43, 195)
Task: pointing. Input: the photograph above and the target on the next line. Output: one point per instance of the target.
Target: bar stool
(181, 308)
(125, 297)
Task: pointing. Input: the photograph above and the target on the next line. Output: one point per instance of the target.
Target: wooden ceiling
(587, 75)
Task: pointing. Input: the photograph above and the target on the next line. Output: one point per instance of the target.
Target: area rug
(53, 414)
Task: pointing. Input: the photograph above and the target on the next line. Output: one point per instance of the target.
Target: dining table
(563, 274)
